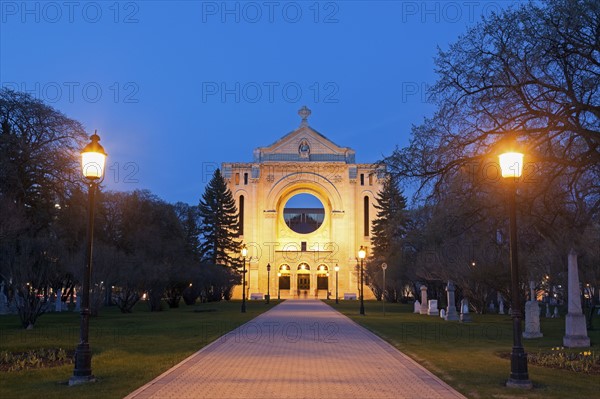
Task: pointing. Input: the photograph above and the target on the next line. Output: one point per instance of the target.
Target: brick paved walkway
(299, 349)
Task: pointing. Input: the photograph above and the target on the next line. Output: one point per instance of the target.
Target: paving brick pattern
(298, 349)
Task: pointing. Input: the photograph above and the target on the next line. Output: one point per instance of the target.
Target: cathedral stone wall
(304, 162)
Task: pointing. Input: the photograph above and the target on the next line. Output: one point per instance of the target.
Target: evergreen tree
(219, 226)
(387, 232)
(390, 225)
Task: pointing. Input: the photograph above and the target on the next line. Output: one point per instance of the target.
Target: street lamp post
(244, 254)
(93, 159)
(511, 164)
(268, 283)
(337, 269)
(362, 252)
(383, 267)
(278, 286)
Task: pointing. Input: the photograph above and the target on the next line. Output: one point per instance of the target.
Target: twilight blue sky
(175, 88)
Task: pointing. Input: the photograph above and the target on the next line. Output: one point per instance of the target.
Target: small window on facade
(241, 216)
(366, 213)
(303, 246)
(362, 179)
(237, 178)
(370, 179)
(245, 178)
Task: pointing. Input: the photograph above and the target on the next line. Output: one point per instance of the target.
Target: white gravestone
(532, 320)
(575, 325)
(433, 308)
(465, 317)
(500, 304)
(451, 314)
(417, 307)
(423, 299)
(58, 303)
(443, 314)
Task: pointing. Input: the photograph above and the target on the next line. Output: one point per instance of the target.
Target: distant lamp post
(362, 252)
(278, 286)
(337, 269)
(268, 283)
(383, 267)
(244, 252)
(511, 164)
(93, 159)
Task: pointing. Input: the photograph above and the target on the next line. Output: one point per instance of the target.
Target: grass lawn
(465, 355)
(128, 349)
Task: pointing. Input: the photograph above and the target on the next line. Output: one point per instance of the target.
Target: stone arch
(304, 182)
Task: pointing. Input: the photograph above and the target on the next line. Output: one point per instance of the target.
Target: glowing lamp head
(362, 252)
(93, 159)
(511, 164)
(278, 274)
(244, 250)
(336, 268)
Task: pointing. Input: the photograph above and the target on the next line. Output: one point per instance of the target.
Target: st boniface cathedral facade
(305, 206)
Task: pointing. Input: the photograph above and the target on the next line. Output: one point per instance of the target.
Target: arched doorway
(284, 277)
(303, 274)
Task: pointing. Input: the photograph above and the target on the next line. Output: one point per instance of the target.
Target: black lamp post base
(520, 384)
(78, 380)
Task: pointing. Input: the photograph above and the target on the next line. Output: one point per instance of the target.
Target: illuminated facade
(303, 244)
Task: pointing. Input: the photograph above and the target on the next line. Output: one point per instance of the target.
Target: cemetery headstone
(575, 323)
(417, 307)
(532, 320)
(423, 299)
(465, 317)
(451, 314)
(58, 303)
(433, 308)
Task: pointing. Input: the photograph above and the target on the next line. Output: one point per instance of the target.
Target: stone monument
(548, 315)
(442, 313)
(465, 317)
(423, 299)
(417, 307)
(532, 316)
(500, 304)
(451, 314)
(433, 308)
(58, 303)
(575, 325)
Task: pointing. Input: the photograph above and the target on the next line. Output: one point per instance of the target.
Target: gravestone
(423, 299)
(548, 315)
(575, 323)
(433, 309)
(78, 303)
(451, 314)
(58, 303)
(465, 317)
(532, 320)
(417, 307)
(500, 304)
(555, 315)
(443, 314)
